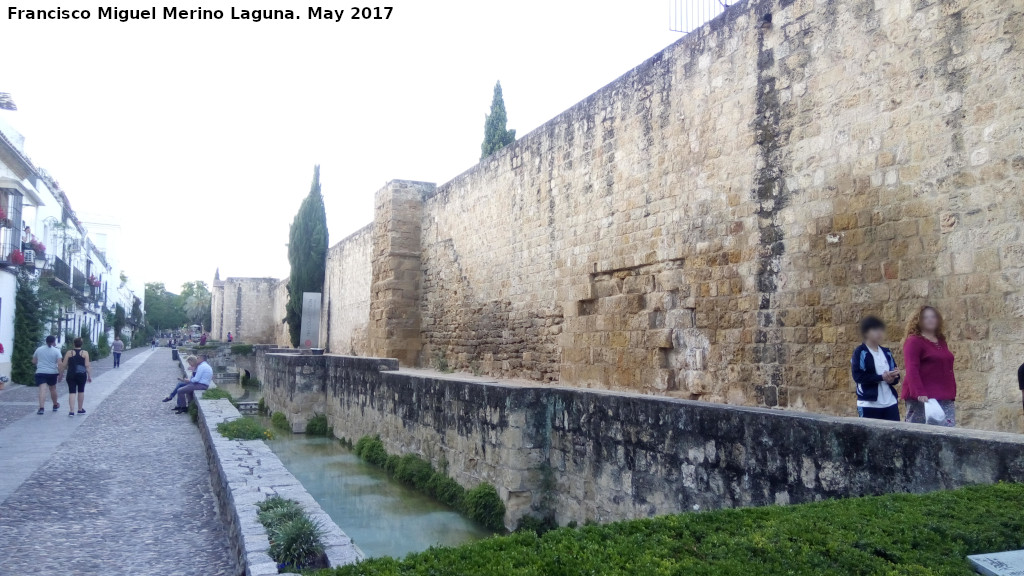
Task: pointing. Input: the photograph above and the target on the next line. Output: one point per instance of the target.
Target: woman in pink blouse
(929, 367)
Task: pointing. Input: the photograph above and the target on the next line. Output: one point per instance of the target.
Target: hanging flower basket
(16, 257)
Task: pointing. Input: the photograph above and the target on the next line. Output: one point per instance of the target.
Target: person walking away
(201, 380)
(182, 382)
(79, 371)
(202, 339)
(874, 371)
(929, 367)
(230, 338)
(117, 348)
(47, 361)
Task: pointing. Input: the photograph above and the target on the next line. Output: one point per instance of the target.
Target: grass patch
(922, 535)
(244, 428)
(317, 426)
(242, 349)
(296, 540)
(481, 504)
(280, 421)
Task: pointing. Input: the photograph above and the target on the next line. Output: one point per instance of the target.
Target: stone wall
(597, 455)
(246, 308)
(713, 224)
(346, 295)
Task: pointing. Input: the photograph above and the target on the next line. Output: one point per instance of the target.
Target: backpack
(76, 365)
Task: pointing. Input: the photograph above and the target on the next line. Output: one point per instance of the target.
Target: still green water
(383, 517)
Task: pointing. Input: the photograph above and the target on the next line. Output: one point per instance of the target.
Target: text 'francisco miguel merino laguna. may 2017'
(174, 13)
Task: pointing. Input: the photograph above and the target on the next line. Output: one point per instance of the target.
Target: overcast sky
(200, 136)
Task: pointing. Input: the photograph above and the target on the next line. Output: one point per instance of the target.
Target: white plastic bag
(933, 413)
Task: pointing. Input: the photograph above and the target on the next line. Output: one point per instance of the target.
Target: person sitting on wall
(874, 371)
(201, 380)
(182, 382)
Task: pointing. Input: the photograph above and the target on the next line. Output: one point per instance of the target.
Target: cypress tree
(496, 134)
(28, 329)
(307, 254)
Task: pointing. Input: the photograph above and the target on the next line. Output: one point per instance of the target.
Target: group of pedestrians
(51, 367)
(928, 385)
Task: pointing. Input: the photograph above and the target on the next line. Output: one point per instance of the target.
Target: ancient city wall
(246, 308)
(593, 455)
(713, 224)
(346, 295)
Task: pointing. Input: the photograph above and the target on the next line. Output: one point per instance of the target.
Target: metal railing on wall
(685, 16)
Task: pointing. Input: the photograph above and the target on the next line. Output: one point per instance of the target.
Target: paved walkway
(124, 489)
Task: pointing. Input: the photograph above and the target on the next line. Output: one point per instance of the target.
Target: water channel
(383, 517)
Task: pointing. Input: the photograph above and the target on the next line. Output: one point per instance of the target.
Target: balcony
(59, 272)
(10, 240)
(79, 283)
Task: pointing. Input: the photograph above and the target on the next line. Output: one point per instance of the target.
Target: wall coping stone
(244, 473)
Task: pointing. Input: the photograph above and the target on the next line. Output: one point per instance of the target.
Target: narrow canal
(383, 517)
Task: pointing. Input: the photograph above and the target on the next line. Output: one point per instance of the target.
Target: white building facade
(40, 232)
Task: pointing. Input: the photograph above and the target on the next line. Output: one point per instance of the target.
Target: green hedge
(242, 349)
(318, 426)
(919, 535)
(482, 503)
(280, 421)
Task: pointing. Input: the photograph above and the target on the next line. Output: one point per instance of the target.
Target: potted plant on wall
(16, 258)
(39, 248)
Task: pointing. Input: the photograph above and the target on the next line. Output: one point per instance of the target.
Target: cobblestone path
(127, 492)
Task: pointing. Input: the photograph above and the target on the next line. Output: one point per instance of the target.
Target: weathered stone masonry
(595, 455)
(713, 224)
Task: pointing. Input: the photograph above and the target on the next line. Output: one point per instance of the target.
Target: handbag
(933, 413)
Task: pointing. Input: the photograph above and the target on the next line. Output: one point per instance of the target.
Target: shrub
(904, 534)
(242, 349)
(102, 346)
(193, 412)
(317, 426)
(243, 428)
(483, 504)
(217, 394)
(296, 541)
(536, 524)
(261, 406)
(280, 421)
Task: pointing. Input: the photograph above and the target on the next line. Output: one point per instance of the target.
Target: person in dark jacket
(874, 371)
(1020, 381)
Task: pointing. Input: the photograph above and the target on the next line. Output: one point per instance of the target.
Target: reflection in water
(383, 517)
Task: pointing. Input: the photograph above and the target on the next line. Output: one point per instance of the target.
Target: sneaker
(71, 413)
(168, 399)
(55, 407)
(81, 410)
(41, 411)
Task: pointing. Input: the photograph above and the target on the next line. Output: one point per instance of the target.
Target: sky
(199, 137)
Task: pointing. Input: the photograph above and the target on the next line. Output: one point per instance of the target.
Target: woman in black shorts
(79, 371)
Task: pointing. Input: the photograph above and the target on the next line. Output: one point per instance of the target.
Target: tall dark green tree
(28, 329)
(307, 254)
(496, 132)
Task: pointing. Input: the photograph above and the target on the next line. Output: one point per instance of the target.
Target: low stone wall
(595, 455)
(244, 473)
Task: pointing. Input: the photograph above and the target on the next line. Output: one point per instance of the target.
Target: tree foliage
(118, 320)
(196, 299)
(307, 254)
(496, 132)
(28, 329)
(164, 310)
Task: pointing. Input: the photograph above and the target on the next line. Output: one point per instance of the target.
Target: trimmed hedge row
(481, 503)
(903, 534)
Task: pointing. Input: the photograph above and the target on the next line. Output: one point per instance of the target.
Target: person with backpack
(79, 370)
(874, 372)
